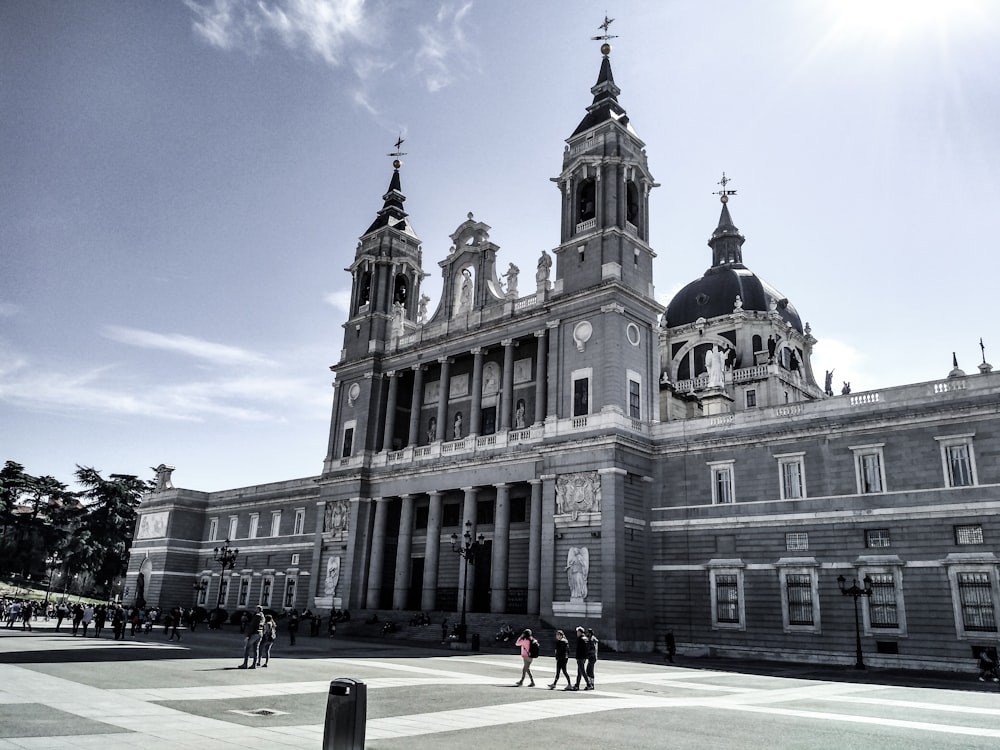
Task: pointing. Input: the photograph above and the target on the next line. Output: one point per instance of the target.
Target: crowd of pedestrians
(585, 652)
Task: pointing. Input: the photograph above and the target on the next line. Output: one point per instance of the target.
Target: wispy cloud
(208, 351)
(341, 300)
(319, 27)
(442, 43)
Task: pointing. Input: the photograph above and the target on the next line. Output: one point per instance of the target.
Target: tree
(32, 520)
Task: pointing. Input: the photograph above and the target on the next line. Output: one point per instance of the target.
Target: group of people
(585, 653)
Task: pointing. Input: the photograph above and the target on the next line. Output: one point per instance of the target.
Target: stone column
(443, 386)
(476, 417)
(552, 387)
(507, 398)
(541, 361)
(390, 411)
(376, 563)
(501, 550)
(535, 547)
(468, 514)
(432, 552)
(416, 402)
(401, 580)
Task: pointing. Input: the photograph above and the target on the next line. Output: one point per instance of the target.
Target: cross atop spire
(396, 163)
(724, 193)
(605, 37)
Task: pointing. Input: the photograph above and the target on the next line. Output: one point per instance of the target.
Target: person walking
(255, 633)
(61, 611)
(581, 659)
(293, 626)
(87, 618)
(100, 617)
(592, 644)
(270, 636)
(27, 610)
(176, 614)
(529, 650)
(562, 659)
(671, 646)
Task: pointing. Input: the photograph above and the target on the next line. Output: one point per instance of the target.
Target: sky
(183, 183)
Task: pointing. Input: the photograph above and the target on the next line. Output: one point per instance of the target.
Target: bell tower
(386, 275)
(605, 184)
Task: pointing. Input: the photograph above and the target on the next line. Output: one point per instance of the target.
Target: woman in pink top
(525, 642)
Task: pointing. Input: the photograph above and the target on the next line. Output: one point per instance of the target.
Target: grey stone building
(618, 465)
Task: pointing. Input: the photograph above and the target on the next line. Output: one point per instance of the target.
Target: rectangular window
(348, 445)
(233, 522)
(275, 522)
(751, 398)
(518, 509)
(958, 460)
(223, 591)
(484, 513)
(796, 541)
(290, 591)
(300, 521)
(581, 397)
(254, 523)
(450, 513)
(244, 592)
(969, 534)
(265, 591)
(420, 519)
(870, 473)
(882, 608)
(213, 530)
(791, 475)
(727, 599)
(722, 482)
(202, 592)
(798, 587)
(877, 538)
(633, 400)
(975, 593)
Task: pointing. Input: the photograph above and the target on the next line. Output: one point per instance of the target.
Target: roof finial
(605, 48)
(396, 163)
(724, 194)
(982, 348)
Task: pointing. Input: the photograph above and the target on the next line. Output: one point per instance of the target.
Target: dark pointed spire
(605, 106)
(392, 213)
(726, 241)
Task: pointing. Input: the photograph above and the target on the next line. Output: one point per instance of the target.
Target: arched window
(400, 289)
(587, 204)
(365, 289)
(632, 203)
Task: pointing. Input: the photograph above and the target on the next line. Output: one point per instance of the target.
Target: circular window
(632, 332)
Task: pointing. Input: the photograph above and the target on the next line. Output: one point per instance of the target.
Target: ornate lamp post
(469, 550)
(857, 592)
(226, 557)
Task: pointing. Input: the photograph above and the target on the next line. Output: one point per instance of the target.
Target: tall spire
(726, 241)
(392, 214)
(605, 105)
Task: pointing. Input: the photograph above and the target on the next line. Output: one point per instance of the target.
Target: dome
(715, 293)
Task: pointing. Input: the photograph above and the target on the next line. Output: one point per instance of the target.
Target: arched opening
(365, 289)
(400, 289)
(632, 203)
(587, 203)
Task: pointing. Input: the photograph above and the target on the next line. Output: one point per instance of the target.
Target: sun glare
(896, 20)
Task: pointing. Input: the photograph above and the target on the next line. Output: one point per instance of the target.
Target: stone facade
(625, 471)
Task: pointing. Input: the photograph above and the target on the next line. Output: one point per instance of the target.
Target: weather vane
(605, 48)
(396, 163)
(724, 194)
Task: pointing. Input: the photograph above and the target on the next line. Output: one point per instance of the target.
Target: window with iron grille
(975, 594)
(877, 538)
(800, 605)
(969, 534)
(751, 396)
(289, 591)
(244, 592)
(265, 591)
(882, 607)
(796, 540)
(727, 598)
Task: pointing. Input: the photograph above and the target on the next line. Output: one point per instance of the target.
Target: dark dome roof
(714, 294)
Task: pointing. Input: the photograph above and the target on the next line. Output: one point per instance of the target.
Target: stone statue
(828, 388)
(738, 306)
(465, 294)
(432, 426)
(332, 576)
(577, 569)
(397, 319)
(544, 267)
(847, 388)
(163, 482)
(422, 309)
(578, 493)
(457, 428)
(714, 363)
(511, 277)
(519, 415)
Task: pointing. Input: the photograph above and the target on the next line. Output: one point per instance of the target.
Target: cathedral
(598, 460)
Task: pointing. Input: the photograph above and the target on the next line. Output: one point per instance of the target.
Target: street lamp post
(469, 551)
(857, 592)
(226, 557)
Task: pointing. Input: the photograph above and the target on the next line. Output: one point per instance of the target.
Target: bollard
(346, 714)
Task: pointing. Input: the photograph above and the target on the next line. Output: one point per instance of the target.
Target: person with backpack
(270, 636)
(529, 651)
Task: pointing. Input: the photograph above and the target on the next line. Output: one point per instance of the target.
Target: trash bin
(346, 714)
(475, 641)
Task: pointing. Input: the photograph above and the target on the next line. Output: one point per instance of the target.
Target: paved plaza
(60, 691)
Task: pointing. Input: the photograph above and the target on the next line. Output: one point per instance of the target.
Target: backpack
(533, 649)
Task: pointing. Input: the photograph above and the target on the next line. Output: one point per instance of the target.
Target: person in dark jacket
(562, 659)
(592, 643)
(581, 660)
